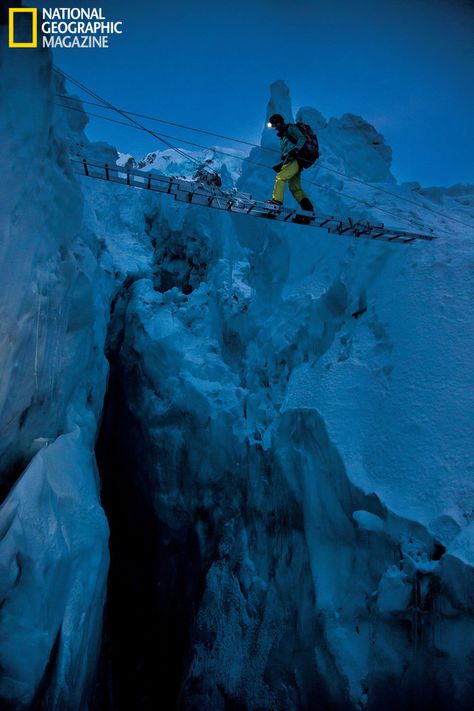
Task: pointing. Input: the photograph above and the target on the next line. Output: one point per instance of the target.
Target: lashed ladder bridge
(207, 196)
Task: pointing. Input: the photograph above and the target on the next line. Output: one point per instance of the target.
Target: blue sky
(407, 66)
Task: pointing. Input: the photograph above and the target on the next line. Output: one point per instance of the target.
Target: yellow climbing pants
(291, 173)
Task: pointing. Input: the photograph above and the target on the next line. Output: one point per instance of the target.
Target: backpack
(309, 153)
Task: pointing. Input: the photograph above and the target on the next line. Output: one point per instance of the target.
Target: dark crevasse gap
(155, 574)
(156, 586)
(179, 594)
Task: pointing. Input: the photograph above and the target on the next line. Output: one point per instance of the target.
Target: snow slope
(286, 444)
(226, 161)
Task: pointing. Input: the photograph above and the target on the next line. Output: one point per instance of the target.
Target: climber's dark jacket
(289, 150)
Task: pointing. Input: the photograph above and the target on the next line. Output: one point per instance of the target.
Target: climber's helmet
(276, 121)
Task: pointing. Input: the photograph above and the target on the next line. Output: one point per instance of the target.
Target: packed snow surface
(288, 427)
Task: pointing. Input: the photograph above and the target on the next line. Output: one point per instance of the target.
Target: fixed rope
(124, 114)
(261, 165)
(271, 150)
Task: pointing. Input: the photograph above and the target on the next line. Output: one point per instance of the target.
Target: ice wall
(53, 548)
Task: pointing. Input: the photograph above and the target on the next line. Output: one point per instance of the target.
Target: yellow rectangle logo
(34, 27)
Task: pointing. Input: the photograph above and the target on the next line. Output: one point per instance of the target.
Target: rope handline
(275, 151)
(132, 121)
(124, 114)
(262, 165)
(107, 104)
(399, 197)
(166, 135)
(178, 125)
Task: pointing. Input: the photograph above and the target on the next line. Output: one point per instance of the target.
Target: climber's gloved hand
(277, 167)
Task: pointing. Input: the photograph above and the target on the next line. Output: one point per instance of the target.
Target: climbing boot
(273, 214)
(303, 219)
(307, 205)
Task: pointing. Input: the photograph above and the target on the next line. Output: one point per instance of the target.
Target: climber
(289, 170)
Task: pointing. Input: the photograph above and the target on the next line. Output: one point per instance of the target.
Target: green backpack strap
(290, 138)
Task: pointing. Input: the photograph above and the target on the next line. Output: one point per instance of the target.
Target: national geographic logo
(65, 27)
(33, 11)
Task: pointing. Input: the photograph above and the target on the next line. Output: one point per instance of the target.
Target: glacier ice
(53, 549)
(288, 487)
(53, 566)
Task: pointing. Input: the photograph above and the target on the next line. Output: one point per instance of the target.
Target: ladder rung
(192, 192)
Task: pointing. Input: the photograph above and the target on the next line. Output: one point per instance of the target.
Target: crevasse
(287, 486)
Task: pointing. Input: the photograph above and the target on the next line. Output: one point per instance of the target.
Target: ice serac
(279, 103)
(311, 116)
(53, 548)
(255, 173)
(362, 148)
